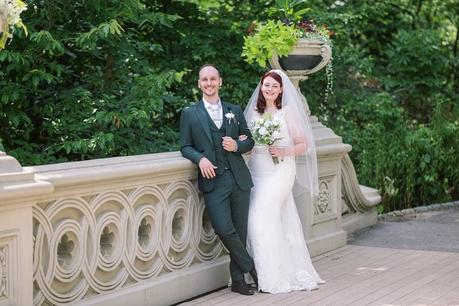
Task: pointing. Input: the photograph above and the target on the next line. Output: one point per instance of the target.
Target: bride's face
(271, 89)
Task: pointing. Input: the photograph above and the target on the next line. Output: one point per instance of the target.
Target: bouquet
(265, 131)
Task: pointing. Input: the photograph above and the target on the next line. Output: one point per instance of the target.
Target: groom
(209, 131)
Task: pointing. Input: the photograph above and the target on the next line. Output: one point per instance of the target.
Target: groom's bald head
(208, 67)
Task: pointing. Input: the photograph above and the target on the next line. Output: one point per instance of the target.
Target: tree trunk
(108, 76)
(416, 16)
(455, 61)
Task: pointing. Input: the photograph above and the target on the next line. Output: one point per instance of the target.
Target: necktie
(215, 114)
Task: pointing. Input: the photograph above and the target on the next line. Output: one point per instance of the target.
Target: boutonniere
(230, 116)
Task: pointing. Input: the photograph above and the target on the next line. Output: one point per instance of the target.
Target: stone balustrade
(134, 230)
(126, 230)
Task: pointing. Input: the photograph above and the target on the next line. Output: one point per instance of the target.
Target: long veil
(306, 163)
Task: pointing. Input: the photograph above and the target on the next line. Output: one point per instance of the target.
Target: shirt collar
(207, 104)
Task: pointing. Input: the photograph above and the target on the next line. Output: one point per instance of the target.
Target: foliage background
(109, 78)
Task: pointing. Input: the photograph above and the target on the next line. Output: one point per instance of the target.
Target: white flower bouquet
(265, 131)
(10, 11)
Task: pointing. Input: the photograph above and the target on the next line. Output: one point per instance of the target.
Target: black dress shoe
(254, 275)
(242, 288)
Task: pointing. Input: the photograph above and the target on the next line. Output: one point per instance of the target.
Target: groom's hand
(229, 144)
(207, 168)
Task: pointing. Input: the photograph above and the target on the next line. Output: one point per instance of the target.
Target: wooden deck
(362, 275)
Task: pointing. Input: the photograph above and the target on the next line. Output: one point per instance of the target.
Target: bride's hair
(261, 102)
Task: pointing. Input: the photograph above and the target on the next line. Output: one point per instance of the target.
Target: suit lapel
(224, 110)
(223, 127)
(203, 118)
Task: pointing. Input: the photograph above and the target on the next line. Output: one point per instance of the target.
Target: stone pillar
(17, 189)
(321, 220)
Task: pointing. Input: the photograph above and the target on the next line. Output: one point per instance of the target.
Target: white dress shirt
(215, 112)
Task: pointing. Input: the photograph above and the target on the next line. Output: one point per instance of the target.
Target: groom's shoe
(242, 288)
(254, 275)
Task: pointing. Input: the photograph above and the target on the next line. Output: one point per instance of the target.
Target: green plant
(418, 71)
(292, 13)
(289, 10)
(281, 33)
(269, 38)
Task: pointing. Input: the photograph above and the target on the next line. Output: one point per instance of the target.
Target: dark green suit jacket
(196, 142)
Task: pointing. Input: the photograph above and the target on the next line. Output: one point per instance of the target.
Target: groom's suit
(227, 194)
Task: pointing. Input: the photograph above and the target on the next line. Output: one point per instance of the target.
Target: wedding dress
(275, 236)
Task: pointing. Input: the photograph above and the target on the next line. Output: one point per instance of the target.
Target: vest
(220, 153)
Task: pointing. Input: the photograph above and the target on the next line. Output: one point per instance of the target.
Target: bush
(417, 67)
(411, 163)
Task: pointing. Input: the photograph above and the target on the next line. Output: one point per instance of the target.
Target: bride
(275, 236)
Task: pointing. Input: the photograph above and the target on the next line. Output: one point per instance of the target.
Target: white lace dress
(275, 236)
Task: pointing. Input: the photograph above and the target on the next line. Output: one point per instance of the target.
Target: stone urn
(307, 57)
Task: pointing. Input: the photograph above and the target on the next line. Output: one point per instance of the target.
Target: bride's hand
(242, 137)
(276, 151)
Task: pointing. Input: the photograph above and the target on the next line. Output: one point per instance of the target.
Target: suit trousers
(228, 207)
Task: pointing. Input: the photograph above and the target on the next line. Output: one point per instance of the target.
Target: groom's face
(209, 82)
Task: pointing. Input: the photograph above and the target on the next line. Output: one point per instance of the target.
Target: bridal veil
(299, 123)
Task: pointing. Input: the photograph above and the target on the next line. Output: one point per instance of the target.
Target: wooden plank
(431, 292)
(359, 271)
(431, 270)
(360, 275)
(402, 281)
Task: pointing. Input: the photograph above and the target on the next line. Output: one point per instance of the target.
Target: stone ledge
(397, 214)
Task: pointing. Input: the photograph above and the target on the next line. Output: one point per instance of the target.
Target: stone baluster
(18, 189)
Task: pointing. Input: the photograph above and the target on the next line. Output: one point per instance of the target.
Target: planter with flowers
(290, 42)
(10, 11)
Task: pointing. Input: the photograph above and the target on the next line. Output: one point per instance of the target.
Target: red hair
(261, 102)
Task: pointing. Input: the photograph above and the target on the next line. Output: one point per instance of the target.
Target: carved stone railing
(134, 231)
(118, 231)
(359, 202)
